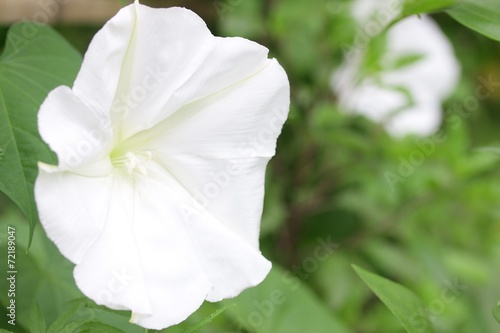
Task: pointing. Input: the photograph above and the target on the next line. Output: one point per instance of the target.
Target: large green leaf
(482, 16)
(36, 60)
(65, 322)
(275, 305)
(412, 7)
(402, 302)
(37, 321)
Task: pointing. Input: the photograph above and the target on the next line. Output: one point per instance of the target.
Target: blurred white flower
(418, 70)
(162, 116)
(365, 10)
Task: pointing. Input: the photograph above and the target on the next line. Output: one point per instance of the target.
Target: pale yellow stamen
(132, 161)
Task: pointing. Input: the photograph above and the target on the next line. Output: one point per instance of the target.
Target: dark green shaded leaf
(482, 16)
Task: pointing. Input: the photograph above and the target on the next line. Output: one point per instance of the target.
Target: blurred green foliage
(434, 231)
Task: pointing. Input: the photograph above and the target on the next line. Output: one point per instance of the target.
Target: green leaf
(97, 318)
(482, 16)
(64, 322)
(403, 303)
(5, 331)
(37, 321)
(496, 312)
(97, 327)
(36, 60)
(413, 7)
(207, 320)
(90, 304)
(276, 303)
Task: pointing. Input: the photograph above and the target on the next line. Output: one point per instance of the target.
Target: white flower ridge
(405, 100)
(162, 144)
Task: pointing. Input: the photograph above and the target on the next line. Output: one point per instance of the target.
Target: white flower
(407, 99)
(162, 143)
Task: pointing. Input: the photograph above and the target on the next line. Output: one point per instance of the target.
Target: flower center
(133, 161)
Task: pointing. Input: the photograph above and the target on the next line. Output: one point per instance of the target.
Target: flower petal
(231, 190)
(167, 47)
(230, 263)
(189, 64)
(144, 259)
(233, 131)
(72, 210)
(77, 135)
(97, 81)
(241, 121)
